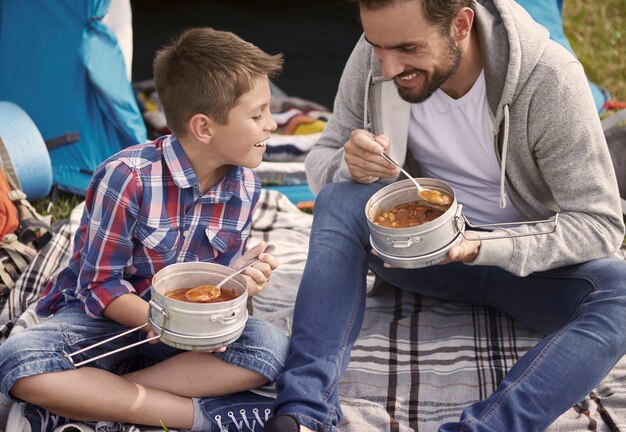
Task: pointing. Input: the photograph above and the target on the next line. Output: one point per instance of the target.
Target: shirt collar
(178, 163)
(233, 184)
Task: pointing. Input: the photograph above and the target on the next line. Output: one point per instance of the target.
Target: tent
(64, 68)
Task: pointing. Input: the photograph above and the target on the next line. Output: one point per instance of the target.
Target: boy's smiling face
(243, 139)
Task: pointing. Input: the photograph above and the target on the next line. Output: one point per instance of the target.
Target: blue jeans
(261, 348)
(582, 309)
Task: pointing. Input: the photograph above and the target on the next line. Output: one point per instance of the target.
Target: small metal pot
(427, 244)
(197, 326)
(416, 240)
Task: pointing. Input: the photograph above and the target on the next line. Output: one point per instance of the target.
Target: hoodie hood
(511, 43)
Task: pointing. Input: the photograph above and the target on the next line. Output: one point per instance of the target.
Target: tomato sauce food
(181, 294)
(408, 215)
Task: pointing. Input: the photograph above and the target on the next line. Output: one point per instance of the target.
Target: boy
(188, 196)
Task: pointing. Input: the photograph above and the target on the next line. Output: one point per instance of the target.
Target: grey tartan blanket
(417, 363)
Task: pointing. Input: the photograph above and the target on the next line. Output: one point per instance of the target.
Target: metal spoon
(205, 293)
(429, 195)
(269, 249)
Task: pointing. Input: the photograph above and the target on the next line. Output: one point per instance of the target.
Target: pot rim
(212, 273)
(400, 187)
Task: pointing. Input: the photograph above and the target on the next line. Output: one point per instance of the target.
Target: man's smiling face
(413, 51)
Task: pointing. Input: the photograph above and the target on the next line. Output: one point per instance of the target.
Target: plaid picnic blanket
(417, 362)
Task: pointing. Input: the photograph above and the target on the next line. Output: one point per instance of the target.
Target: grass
(595, 29)
(58, 204)
(597, 32)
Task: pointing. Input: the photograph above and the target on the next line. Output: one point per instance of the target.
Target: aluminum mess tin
(197, 326)
(427, 244)
(412, 243)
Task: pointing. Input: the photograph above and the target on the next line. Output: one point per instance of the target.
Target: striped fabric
(417, 363)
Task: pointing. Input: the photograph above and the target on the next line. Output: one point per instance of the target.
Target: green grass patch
(597, 32)
(58, 204)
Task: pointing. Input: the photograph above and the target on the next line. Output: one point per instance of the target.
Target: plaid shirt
(143, 211)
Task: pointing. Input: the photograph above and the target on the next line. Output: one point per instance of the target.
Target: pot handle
(398, 244)
(227, 319)
(70, 356)
(553, 220)
(154, 305)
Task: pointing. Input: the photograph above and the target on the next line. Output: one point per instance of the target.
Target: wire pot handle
(70, 356)
(553, 220)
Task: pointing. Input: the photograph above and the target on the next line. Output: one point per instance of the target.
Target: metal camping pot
(426, 244)
(197, 326)
(185, 325)
(416, 240)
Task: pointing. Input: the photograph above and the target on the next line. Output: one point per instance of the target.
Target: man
(474, 94)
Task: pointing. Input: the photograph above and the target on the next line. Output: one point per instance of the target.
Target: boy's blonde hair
(206, 71)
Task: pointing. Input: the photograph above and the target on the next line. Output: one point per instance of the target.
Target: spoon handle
(269, 249)
(402, 170)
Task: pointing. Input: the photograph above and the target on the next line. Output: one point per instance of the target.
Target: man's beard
(451, 59)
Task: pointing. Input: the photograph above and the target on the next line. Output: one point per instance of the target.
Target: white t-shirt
(453, 141)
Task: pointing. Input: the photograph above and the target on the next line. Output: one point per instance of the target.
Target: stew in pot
(408, 215)
(202, 294)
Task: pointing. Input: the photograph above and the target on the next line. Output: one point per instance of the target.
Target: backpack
(9, 218)
(23, 231)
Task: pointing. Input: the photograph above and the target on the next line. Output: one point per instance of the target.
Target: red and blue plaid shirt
(144, 210)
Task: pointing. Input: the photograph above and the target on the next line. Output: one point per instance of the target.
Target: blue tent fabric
(63, 67)
(549, 14)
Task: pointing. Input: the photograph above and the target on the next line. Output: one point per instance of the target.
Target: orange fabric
(9, 218)
(614, 105)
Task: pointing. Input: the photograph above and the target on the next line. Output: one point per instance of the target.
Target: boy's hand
(258, 275)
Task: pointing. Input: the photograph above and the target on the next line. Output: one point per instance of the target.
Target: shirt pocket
(222, 239)
(163, 240)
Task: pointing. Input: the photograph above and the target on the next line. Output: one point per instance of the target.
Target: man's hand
(362, 154)
(466, 251)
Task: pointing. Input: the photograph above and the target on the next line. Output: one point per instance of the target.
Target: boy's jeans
(262, 347)
(581, 308)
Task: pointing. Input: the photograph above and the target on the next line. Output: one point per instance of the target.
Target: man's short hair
(206, 71)
(439, 12)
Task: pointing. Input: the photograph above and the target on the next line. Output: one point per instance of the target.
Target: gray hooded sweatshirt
(548, 141)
